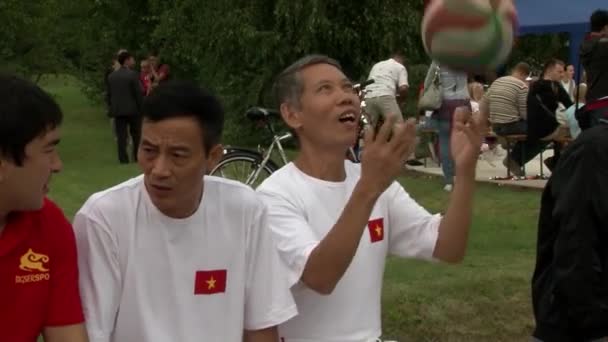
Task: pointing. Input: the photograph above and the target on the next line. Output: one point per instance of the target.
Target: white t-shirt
(147, 277)
(388, 76)
(302, 210)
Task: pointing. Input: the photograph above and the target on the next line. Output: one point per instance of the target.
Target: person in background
(145, 76)
(390, 81)
(506, 100)
(455, 93)
(160, 72)
(594, 54)
(570, 113)
(126, 96)
(476, 92)
(113, 67)
(568, 82)
(544, 99)
(39, 291)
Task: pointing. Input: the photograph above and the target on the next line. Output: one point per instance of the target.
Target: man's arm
(564, 97)
(137, 91)
(68, 333)
(454, 228)
(265, 335)
(381, 164)
(100, 277)
(402, 83)
(268, 299)
(332, 256)
(522, 102)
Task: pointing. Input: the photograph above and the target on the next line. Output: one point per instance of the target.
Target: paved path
(490, 166)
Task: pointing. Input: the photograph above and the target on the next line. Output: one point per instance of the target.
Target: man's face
(570, 72)
(27, 185)
(328, 115)
(173, 160)
(130, 62)
(555, 73)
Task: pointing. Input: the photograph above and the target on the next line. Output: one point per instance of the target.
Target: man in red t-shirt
(38, 266)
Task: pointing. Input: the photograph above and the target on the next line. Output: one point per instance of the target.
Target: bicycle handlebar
(366, 83)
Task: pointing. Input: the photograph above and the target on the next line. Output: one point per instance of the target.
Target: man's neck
(325, 165)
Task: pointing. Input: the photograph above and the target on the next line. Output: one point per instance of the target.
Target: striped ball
(469, 35)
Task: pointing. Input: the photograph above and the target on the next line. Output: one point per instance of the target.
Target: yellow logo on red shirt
(33, 262)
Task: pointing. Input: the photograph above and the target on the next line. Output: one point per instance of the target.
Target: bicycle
(257, 163)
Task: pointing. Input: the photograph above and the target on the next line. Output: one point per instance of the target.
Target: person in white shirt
(335, 222)
(390, 80)
(568, 81)
(173, 255)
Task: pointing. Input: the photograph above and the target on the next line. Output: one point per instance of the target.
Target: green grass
(485, 298)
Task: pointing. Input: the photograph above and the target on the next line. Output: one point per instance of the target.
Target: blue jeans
(444, 128)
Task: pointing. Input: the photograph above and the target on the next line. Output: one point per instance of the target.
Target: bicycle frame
(267, 154)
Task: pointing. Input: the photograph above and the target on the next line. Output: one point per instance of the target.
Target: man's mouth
(347, 117)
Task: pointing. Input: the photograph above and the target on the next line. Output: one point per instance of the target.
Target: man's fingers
(386, 129)
(405, 137)
(368, 135)
(462, 115)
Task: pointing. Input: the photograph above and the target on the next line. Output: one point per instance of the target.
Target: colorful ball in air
(469, 35)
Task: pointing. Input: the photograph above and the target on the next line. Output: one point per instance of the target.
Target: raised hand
(386, 152)
(467, 137)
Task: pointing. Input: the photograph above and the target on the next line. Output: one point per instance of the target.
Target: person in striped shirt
(506, 100)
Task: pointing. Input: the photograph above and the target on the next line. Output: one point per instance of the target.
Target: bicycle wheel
(242, 166)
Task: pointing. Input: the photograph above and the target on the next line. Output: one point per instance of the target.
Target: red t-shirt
(38, 274)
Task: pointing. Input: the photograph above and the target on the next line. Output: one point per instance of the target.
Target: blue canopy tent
(556, 16)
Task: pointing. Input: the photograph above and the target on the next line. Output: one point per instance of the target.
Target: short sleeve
(403, 81)
(293, 236)
(100, 279)
(268, 298)
(64, 305)
(413, 231)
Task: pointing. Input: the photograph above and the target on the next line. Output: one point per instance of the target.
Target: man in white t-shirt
(390, 80)
(335, 222)
(175, 256)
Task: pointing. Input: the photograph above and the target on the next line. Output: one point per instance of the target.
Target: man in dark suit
(125, 97)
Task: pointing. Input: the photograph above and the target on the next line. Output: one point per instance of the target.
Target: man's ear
(214, 157)
(291, 116)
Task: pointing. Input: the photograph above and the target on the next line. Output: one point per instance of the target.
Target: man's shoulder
(113, 200)
(230, 190)
(280, 179)
(506, 81)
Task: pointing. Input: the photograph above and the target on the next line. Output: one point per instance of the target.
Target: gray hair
(289, 87)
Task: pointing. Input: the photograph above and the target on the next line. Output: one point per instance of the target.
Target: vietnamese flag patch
(376, 230)
(210, 282)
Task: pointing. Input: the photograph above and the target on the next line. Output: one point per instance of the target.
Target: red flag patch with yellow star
(210, 282)
(376, 230)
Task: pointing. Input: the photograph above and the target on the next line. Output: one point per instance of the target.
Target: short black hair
(179, 98)
(550, 64)
(26, 112)
(599, 20)
(399, 52)
(123, 57)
